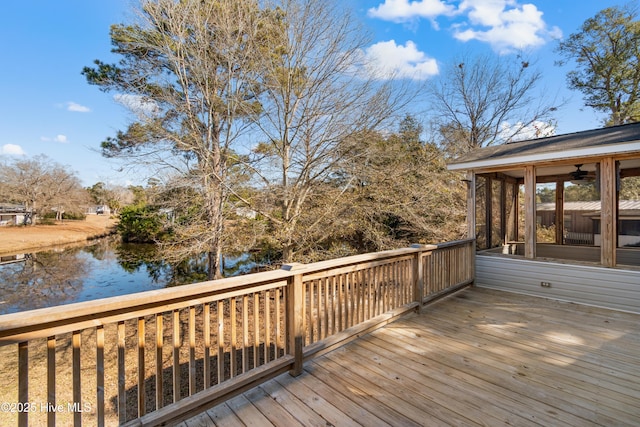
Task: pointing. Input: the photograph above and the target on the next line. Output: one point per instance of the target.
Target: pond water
(104, 268)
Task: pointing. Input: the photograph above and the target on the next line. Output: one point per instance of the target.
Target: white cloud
(12, 149)
(58, 138)
(406, 10)
(506, 25)
(387, 59)
(72, 106)
(485, 12)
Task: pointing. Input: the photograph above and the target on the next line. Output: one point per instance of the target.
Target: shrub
(140, 225)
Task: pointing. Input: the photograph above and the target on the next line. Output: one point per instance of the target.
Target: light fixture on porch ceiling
(579, 177)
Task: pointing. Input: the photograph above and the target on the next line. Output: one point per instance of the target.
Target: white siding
(591, 285)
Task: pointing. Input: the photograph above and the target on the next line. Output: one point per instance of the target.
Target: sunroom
(559, 216)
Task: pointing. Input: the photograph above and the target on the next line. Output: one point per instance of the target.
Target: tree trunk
(216, 226)
(214, 265)
(287, 252)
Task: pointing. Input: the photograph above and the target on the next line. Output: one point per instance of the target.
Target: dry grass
(64, 380)
(20, 239)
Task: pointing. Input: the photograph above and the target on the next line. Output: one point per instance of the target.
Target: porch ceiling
(564, 168)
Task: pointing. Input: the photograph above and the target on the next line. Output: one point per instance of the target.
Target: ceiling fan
(579, 176)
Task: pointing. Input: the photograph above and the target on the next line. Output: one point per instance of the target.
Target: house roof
(623, 205)
(611, 140)
(11, 207)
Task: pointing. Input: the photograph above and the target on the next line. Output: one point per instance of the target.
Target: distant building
(12, 214)
(582, 222)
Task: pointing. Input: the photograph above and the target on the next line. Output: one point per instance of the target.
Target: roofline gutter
(611, 149)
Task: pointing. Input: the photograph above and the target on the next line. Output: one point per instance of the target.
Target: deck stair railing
(157, 357)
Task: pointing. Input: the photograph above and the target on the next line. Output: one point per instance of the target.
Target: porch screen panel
(545, 213)
(629, 218)
(511, 204)
(582, 213)
(497, 230)
(481, 213)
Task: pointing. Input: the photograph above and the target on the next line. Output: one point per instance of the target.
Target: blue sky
(46, 106)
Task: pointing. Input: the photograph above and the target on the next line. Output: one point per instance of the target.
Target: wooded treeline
(44, 187)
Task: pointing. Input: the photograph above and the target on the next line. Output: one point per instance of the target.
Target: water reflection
(102, 269)
(42, 279)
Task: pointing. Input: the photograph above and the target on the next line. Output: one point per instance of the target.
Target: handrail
(157, 356)
(454, 243)
(66, 318)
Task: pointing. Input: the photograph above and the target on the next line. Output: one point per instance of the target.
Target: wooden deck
(480, 357)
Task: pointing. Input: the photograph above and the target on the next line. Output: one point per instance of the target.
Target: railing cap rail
(314, 267)
(97, 308)
(454, 243)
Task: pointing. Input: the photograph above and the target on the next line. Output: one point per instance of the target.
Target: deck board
(223, 416)
(317, 390)
(480, 357)
(317, 406)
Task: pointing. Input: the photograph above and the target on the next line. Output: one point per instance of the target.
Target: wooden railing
(157, 357)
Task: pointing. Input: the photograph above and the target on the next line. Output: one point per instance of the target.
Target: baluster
(122, 397)
(23, 381)
(192, 350)
(99, 374)
(333, 297)
(234, 336)
(312, 321)
(325, 312)
(369, 280)
(77, 390)
(256, 328)
(159, 360)
(340, 306)
(206, 331)
(279, 343)
(51, 380)
(245, 333)
(267, 326)
(141, 367)
(176, 355)
(221, 341)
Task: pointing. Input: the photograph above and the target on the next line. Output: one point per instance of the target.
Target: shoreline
(27, 239)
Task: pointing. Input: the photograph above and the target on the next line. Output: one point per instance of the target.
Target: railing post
(295, 321)
(471, 251)
(418, 274)
(418, 278)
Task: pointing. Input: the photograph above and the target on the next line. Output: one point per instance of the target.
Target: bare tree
(485, 100)
(316, 95)
(66, 193)
(41, 185)
(187, 74)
